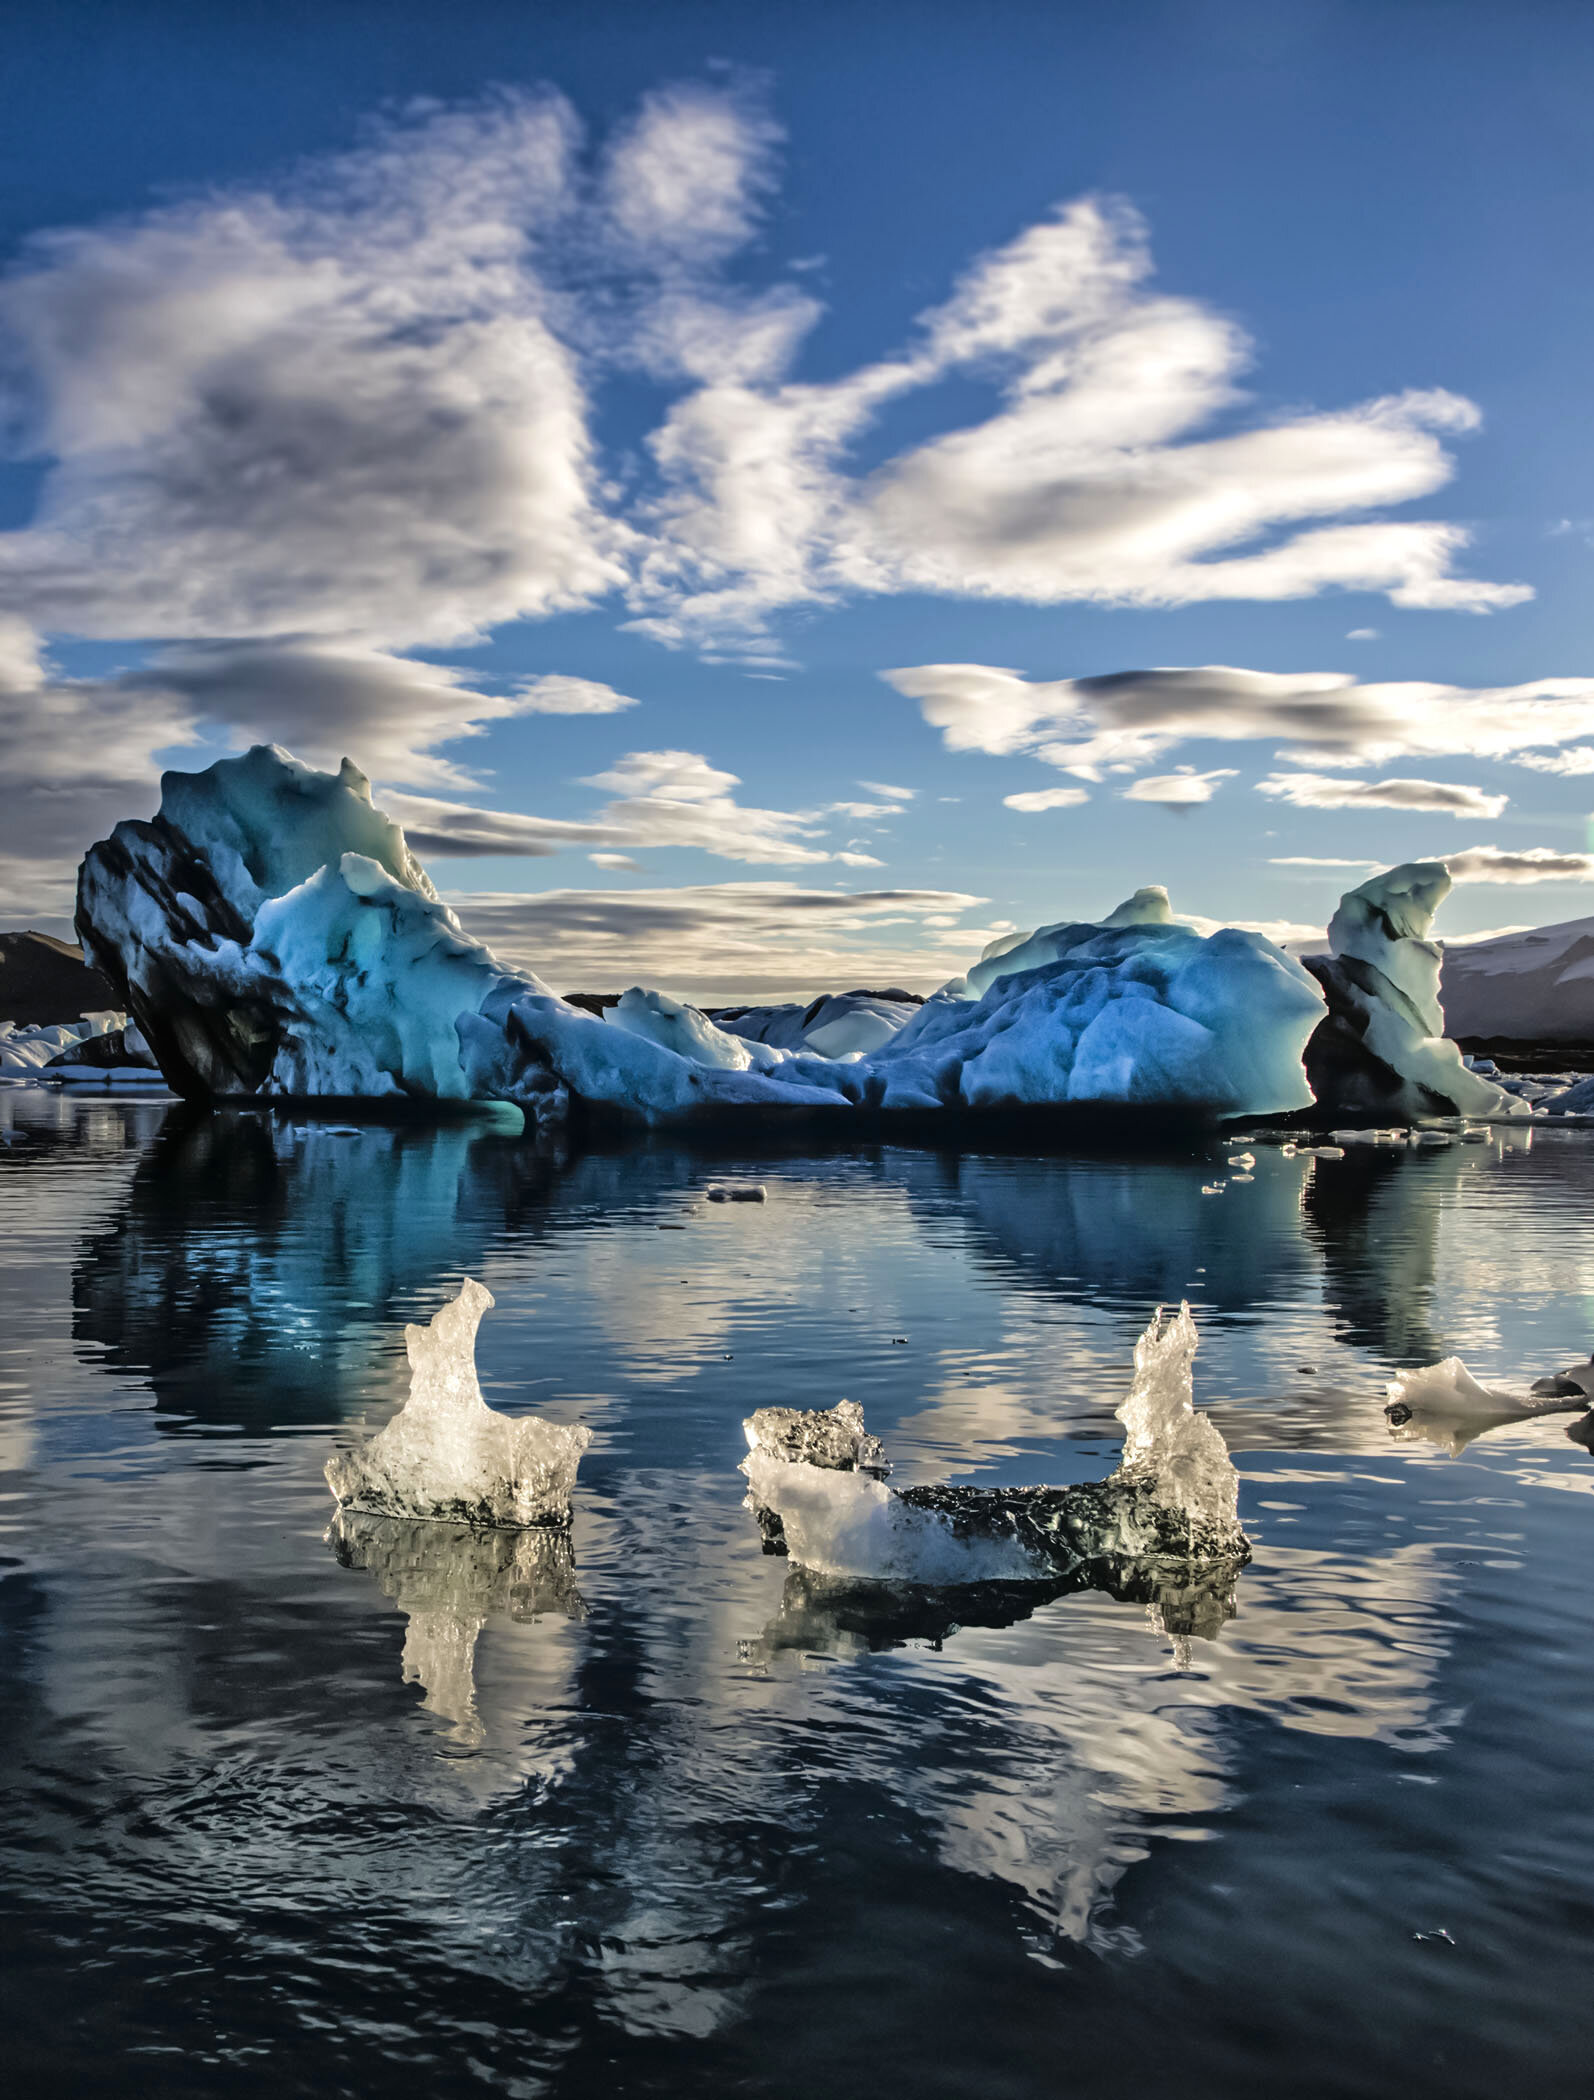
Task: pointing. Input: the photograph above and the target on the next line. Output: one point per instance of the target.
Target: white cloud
(1328, 791)
(556, 694)
(454, 830)
(686, 178)
(676, 798)
(1179, 790)
(728, 941)
(615, 860)
(661, 798)
(1321, 718)
(864, 810)
(1578, 758)
(341, 405)
(76, 757)
(1038, 799)
(289, 430)
(894, 794)
(1527, 864)
(1362, 634)
(1090, 481)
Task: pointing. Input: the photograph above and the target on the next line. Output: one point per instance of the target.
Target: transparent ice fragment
(1175, 1494)
(446, 1455)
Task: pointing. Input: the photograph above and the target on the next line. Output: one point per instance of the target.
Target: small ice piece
(1242, 1161)
(1174, 1496)
(1242, 1177)
(1444, 1404)
(449, 1457)
(1213, 1188)
(736, 1192)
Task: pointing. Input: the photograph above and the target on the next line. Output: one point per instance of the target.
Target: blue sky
(424, 383)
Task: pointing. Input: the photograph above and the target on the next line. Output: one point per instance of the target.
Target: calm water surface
(425, 1813)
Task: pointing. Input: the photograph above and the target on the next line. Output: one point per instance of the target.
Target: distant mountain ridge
(1536, 987)
(43, 980)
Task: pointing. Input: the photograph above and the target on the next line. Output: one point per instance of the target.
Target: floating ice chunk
(446, 1455)
(1241, 1162)
(835, 1439)
(1175, 1494)
(1444, 1404)
(1446, 1386)
(1166, 1443)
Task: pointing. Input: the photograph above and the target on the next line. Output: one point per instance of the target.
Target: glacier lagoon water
(368, 1808)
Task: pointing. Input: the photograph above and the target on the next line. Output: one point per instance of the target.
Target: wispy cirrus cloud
(735, 940)
(1326, 791)
(1130, 719)
(1522, 865)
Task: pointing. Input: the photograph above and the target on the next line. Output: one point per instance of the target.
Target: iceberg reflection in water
(448, 1580)
(620, 1831)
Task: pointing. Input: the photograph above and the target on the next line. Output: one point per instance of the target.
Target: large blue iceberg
(273, 936)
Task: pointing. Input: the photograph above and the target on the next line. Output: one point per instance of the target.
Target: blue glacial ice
(275, 936)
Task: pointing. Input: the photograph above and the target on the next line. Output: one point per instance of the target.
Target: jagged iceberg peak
(266, 822)
(1010, 953)
(449, 1457)
(1174, 1497)
(1383, 1048)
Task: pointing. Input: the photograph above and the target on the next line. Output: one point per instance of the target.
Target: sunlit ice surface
(293, 1800)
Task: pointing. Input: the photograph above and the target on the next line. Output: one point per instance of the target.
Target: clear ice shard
(449, 1457)
(816, 1489)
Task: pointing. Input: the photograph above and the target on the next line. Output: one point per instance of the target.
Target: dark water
(662, 1819)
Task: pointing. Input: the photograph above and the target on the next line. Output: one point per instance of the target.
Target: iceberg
(817, 1486)
(449, 1457)
(836, 1024)
(272, 935)
(1382, 1050)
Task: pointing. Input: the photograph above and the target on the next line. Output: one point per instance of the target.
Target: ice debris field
(816, 1478)
(274, 937)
